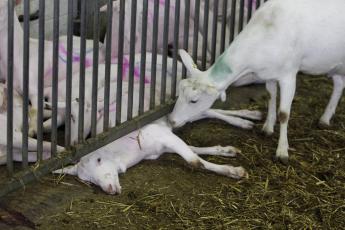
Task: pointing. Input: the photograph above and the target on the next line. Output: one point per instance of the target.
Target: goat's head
(98, 169)
(196, 94)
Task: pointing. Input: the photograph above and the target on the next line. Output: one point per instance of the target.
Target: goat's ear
(189, 63)
(222, 96)
(70, 170)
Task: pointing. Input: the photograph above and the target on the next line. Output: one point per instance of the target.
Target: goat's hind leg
(226, 151)
(338, 87)
(175, 144)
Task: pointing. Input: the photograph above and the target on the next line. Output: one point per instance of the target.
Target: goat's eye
(99, 160)
(193, 101)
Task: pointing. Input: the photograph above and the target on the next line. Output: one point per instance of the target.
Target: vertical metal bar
(131, 60)
(154, 55)
(186, 33)
(26, 56)
(10, 42)
(196, 30)
(214, 31)
(82, 71)
(120, 63)
(232, 20)
(241, 16)
(250, 10)
(258, 3)
(223, 33)
(165, 50)
(55, 75)
(175, 53)
(108, 64)
(40, 80)
(69, 73)
(143, 59)
(95, 68)
(205, 35)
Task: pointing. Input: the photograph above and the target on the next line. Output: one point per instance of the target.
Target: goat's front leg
(226, 151)
(232, 120)
(287, 92)
(271, 118)
(247, 114)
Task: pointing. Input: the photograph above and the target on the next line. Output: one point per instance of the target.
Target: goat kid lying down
(103, 166)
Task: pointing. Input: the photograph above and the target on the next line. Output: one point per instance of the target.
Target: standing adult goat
(283, 37)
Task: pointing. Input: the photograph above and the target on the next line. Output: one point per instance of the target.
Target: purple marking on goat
(75, 58)
(125, 69)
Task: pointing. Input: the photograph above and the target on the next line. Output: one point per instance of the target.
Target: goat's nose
(110, 189)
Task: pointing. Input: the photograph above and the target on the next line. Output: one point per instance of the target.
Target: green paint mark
(221, 69)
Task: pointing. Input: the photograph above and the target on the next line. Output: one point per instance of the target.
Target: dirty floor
(168, 194)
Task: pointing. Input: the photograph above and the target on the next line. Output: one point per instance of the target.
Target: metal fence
(204, 27)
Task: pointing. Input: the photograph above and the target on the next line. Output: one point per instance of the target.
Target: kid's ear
(70, 170)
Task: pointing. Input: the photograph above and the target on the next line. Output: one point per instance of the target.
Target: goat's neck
(227, 69)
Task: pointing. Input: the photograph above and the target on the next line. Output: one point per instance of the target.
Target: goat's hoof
(282, 159)
(247, 125)
(237, 172)
(324, 123)
(268, 131)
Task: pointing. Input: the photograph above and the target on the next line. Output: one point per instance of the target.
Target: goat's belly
(322, 68)
(327, 63)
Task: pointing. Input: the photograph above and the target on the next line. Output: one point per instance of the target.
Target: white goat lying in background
(276, 53)
(33, 60)
(17, 134)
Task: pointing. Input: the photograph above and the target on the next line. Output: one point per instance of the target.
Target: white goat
(33, 60)
(17, 145)
(274, 46)
(17, 134)
(103, 166)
